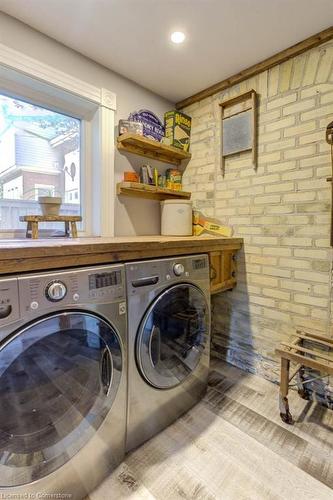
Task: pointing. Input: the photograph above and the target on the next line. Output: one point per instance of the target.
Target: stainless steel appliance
(168, 344)
(63, 380)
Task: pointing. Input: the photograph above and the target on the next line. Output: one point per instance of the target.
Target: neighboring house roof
(41, 138)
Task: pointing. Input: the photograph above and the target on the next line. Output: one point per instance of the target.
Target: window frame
(26, 78)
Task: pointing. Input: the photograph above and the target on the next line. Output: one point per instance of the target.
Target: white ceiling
(131, 37)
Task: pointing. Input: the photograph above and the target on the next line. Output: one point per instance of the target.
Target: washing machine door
(58, 379)
(173, 336)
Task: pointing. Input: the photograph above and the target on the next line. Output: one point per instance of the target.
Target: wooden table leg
(284, 387)
(28, 233)
(74, 229)
(34, 230)
(67, 229)
(302, 389)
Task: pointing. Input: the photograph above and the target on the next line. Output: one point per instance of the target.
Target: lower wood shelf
(151, 192)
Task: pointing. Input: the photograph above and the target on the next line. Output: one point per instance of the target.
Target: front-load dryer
(63, 381)
(168, 341)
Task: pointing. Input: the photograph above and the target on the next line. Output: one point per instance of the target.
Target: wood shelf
(151, 192)
(137, 144)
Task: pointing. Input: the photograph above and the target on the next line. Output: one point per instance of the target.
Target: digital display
(199, 263)
(104, 279)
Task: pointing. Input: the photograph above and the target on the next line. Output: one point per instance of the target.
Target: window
(87, 171)
(39, 156)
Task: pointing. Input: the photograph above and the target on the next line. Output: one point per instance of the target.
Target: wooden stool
(33, 220)
(320, 358)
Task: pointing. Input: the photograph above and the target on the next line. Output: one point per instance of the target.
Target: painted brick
(262, 259)
(278, 145)
(281, 101)
(300, 196)
(269, 137)
(273, 80)
(294, 308)
(282, 166)
(321, 290)
(300, 129)
(269, 157)
(278, 251)
(280, 187)
(311, 276)
(280, 124)
(276, 294)
(309, 138)
(266, 179)
(298, 71)
(264, 240)
(311, 68)
(318, 89)
(295, 285)
(297, 107)
(326, 98)
(311, 254)
(325, 66)
(313, 161)
(282, 208)
(317, 113)
(269, 199)
(276, 271)
(258, 279)
(319, 313)
(297, 174)
(297, 220)
(295, 263)
(299, 242)
(321, 265)
(277, 315)
(298, 152)
(285, 75)
(262, 301)
(310, 300)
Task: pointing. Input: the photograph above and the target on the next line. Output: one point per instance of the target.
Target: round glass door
(173, 335)
(58, 379)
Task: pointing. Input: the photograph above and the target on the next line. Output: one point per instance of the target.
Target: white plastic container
(176, 218)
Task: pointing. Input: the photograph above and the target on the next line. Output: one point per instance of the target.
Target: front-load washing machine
(168, 341)
(63, 381)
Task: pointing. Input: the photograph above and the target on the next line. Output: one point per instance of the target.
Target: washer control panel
(9, 302)
(87, 286)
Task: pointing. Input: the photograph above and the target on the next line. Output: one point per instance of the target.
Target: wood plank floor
(232, 445)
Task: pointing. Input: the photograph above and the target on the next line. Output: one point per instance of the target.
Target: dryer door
(58, 379)
(173, 336)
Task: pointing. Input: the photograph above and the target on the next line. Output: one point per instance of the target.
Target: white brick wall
(281, 210)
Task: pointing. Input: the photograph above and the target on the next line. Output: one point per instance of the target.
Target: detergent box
(178, 129)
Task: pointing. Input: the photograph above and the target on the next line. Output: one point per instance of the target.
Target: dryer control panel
(149, 274)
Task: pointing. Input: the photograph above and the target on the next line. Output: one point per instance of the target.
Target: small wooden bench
(33, 220)
(319, 357)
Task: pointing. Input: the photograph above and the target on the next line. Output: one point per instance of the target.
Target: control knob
(5, 311)
(55, 291)
(178, 269)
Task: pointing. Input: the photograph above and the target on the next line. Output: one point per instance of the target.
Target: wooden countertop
(31, 255)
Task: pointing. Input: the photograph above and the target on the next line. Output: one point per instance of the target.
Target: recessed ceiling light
(178, 37)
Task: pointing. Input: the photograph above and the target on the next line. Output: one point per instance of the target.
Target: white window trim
(97, 107)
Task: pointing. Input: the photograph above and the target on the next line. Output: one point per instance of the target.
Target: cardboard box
(178, 129)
